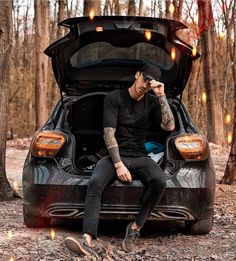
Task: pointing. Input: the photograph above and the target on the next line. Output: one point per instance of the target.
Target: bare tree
(41, 42)
(117, 7)
(107, 8)
(168, 14)
(90, 5)
(61, 17)
(141, 8)
(178, 9)
(215, 131)
(131, 8)
(230, 171)
(5, 54)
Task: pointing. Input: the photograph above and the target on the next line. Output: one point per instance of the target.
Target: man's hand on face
(157, 87)
(123, 174)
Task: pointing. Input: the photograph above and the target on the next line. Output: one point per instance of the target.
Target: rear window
(103, 50)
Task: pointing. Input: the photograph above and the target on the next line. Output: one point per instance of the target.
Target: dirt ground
(158, 241)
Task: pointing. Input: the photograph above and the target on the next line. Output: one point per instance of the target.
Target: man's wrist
(118, 165)
(160, 95)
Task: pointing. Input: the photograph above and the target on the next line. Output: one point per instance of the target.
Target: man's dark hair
(151, 72)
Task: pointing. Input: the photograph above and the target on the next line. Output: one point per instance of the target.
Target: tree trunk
(90, 5)
(178, 11)
(55, 94)
(17, 33)
(117, 7)
(215, 131)
(106, 8)
(168, 14)
(5, 50)
(141, 8)
(230, 171)
(41, 42)
(61, 17)
(131, 8)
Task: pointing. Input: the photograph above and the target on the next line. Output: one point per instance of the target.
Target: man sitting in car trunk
(127, 115)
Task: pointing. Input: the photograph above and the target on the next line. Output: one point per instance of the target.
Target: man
(127, 114)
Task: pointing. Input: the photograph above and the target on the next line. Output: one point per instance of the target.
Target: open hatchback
(94, 58)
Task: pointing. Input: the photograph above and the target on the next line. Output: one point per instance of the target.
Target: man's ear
(137, 74)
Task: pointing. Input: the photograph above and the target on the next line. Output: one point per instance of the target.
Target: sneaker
(130, 238)
(79, 246)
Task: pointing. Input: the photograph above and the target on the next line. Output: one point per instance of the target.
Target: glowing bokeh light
(173, 54)
(148, 35)
(194, 51)
(9, 234)
(228, 118)
(222, 35)
(52, 234)
(230, 137)
(91, 14)
(15, 185)
(12, 258)
(171, 8)
(204, 97)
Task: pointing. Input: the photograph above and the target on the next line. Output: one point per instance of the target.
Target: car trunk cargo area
(85, 121)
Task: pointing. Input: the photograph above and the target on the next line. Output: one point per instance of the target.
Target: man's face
(142, 83)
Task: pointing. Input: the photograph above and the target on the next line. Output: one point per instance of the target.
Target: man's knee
(159, 182)
(95, 185)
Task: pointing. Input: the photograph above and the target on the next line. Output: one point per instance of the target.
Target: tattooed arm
(112, 146)
(168, 121)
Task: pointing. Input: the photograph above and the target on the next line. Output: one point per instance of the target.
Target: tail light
(47, 144)
(192, 146)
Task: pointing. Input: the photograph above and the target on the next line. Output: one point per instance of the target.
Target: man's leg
(154, 179)
(103, 175)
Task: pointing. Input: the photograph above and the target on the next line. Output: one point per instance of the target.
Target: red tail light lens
(192, 146)
(47, 143)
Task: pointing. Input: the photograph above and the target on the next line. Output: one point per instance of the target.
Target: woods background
(35, 27)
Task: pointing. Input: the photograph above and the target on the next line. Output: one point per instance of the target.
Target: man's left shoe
(79, 246)
(130, 238)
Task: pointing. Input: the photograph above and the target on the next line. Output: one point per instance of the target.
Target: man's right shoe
(130, 238)
(79, 246)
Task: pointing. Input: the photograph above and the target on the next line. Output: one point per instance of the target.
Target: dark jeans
(104, 174)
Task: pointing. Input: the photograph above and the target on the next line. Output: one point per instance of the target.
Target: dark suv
(94, 58)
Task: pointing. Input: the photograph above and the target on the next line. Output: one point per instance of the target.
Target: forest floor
(158, 241)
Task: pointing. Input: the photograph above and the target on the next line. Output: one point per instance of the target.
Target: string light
(228, 119)
(52, 234)
(230, 137)
(173, 54)
(91, 14)
(148, 35)
(204, 97)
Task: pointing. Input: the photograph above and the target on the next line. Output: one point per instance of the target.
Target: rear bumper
(50, 192)
(68, 202)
